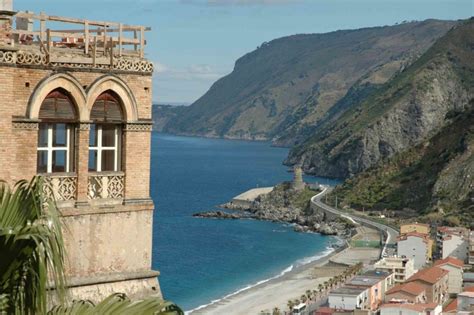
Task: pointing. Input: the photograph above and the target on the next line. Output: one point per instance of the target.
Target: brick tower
(298, 183)
(76, 109)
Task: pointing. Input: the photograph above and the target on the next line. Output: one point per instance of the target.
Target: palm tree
(276, 311)
(32, 252)
(290, 305)
(309, 294)
(303, 298)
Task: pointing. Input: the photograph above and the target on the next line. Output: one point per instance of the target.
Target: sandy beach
(290, 286)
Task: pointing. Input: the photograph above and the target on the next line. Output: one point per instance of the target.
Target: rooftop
(352, 291)
(363, 281)
(414, 307)
(47, 40)
(376, 274)
(451, 261)
(430, 275)
(411, 288)
(413, 234)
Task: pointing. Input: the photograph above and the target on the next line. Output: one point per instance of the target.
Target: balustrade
(106, 185)
(60, 187)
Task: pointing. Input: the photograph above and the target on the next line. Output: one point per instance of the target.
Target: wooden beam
(120, 39)
(86, 37)
(142, 42)
(48, 44)
(94, 55)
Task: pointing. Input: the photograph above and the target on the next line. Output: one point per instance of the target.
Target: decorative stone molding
(39, 59)
(145, 127)
(24, 125)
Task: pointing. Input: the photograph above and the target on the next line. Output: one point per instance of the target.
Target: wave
(298, 263)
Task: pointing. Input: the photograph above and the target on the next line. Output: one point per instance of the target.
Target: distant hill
(163, 114)
(283, 89)
(409, 144)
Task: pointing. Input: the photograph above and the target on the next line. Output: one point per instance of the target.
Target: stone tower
(76, 110)
(298, 183)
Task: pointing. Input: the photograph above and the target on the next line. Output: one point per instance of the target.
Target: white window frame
(99, 148)
(50, 148)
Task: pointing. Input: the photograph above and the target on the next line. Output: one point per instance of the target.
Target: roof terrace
(40, 39)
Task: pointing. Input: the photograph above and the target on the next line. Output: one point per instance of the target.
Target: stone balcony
(102, 188)
(85, 44)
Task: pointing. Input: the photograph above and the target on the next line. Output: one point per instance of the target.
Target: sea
(203, 260)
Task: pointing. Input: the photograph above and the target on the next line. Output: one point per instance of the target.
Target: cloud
(238, 2)
(194, 72)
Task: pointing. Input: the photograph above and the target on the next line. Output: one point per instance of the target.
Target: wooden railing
(92, 38)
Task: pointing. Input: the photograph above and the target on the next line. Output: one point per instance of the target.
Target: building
(349, 298)
(402, 268)
(415, 227)
(466, 302)
(376, 283)
(435, 282)
(452, 307)
(471, 248)
(415, 246)
(452, 242)
(454, 267)
(468, 280)
(410, 292)
(298, 184)
(410, 309)
(76, 110)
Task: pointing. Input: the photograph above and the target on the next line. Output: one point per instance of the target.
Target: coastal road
(390, 233)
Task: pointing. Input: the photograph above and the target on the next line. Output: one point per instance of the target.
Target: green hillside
(282, 90)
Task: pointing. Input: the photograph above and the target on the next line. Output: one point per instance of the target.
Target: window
(55, 148)
(106, 133)
(56, 133)
(104, 148)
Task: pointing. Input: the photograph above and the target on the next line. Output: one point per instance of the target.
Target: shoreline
(286, 274)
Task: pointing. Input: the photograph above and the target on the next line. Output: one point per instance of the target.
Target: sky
(195, 42)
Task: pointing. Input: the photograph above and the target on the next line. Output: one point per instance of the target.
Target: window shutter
(107, 108)
(57, 106)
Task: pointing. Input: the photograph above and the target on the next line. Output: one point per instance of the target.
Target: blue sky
(194, 42)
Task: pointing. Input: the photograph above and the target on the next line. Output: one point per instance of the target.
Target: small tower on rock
(298, 183)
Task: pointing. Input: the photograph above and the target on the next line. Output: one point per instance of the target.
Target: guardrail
(92, 37)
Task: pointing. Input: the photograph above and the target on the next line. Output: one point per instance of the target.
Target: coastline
(299, 268)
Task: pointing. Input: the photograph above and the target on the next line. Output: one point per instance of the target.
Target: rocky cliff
(282, 90)
(401, 114)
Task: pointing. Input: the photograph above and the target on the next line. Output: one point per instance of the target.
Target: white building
(402, 268)
(410, 309)
(349, 298)
(415, 246)
(455, 276)
(454, 242)
(471, 248)
(466, 302)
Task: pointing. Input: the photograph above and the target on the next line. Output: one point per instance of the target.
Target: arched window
(56, 133)
(106, 133)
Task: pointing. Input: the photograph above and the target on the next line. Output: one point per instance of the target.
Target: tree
(32, 251)
(290, 305)
(276, 311)
(304, 298)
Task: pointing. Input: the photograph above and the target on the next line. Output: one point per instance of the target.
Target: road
(390, 233)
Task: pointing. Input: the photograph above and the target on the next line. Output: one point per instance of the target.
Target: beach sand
(290, 286)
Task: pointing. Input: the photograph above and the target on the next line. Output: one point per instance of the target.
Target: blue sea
(202, 260)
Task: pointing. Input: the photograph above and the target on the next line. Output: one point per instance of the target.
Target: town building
(468, 279)
(416, 246)
(411, 309)
(435, 282)
(349, 298)
(76, 110)
(452, 242)
(455, 268)
(465, 303)
(402, 268)
(410, 292)
(375, 287)
(471, 248)
(415, 227)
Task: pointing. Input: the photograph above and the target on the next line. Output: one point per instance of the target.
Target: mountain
(404, 112)
(283, 89)
(163, 114)
(436, 175)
